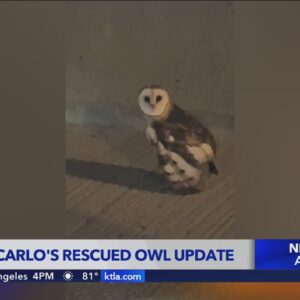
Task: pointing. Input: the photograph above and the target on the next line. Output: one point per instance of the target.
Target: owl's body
(182, 144)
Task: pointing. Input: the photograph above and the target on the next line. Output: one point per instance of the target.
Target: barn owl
(182, 144)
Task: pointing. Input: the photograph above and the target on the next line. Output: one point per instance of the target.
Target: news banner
(139, 261)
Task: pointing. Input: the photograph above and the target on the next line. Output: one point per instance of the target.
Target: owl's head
(154, 102)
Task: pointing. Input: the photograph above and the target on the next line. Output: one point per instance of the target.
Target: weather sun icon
(68, 276)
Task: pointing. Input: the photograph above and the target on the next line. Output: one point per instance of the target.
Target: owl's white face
(154, 102)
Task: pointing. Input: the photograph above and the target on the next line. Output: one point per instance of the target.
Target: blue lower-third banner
(277, 255)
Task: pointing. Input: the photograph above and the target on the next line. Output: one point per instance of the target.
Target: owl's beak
(152, 105)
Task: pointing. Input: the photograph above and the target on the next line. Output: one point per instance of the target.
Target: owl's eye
(147, 99)
(158, 98)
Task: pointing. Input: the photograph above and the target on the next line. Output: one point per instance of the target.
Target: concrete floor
(113, 190)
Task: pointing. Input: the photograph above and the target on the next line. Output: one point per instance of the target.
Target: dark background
(32, 133)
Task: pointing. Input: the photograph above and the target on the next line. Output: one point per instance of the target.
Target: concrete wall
(114, 48)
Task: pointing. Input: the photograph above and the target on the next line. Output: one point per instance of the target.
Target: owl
(182, 144)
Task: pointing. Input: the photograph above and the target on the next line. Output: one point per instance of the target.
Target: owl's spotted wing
(201, 145)
(184, 135)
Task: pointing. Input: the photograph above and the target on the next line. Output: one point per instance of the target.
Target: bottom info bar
(141, 276)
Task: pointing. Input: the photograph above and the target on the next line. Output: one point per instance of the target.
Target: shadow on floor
(129, 177)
